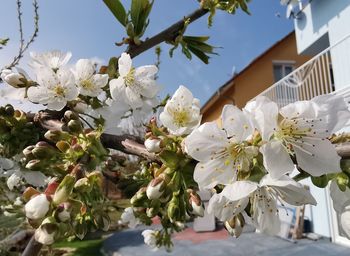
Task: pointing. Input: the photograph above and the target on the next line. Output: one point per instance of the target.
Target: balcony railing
(315, 77)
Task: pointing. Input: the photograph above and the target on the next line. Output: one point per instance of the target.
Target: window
(280, 70)
(284, 93)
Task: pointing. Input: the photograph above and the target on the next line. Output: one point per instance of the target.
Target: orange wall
(255, 78)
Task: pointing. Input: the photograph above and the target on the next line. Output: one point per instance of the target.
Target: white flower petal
(117, 88)
(340, 199)
(124, 64)
(84, 69)
(236, 123)
(289, 190)
(319, 159)
(239, 190)
(265, 113)
(133, 98)
(148, 71)
(209, 174)
(206, 141)
(276, 159)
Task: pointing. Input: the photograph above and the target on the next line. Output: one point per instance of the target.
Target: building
(322, 29)
(271, 66)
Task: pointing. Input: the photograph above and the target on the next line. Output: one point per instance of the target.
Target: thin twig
(23, 47)
(166, 35)
(33, 248)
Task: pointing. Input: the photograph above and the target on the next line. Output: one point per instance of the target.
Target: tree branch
(343, 150)
(33, 248)
(166, 35)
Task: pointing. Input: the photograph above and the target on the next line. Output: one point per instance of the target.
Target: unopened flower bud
(138, 199)
(42, 150)
(63, 146)
(9, 110)
(14, 79)
(174, 211)
(75, 126)
(56, 135)
(63, 212)
(51, 188)
(37, 207)
(45, 234)
(34, 165)
(235, 225)
(83, 185)
(196, 204)
(64, 189)
(153, 145)
(29, 193)
(27, 152)
(155, 188)
(70, 115)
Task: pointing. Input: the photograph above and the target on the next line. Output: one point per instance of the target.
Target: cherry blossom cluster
(250, 160)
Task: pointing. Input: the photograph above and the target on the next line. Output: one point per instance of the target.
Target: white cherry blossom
(53, 60)
(263, 197)
(112, 113)
(300, 129)
(129, 218)
(221, 152)
(150, 238)
(341, 204)
(55, 89)
(88, 82)
(181, 113)
(134, 84)
(37, 207)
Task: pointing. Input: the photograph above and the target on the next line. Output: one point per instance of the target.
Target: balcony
(326, 71)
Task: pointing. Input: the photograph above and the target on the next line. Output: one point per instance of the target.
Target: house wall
(321, 24)
(257, 77)
(325, 23)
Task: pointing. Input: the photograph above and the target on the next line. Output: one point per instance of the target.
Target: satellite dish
(291, 4)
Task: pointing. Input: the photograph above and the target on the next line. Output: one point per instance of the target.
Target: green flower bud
(196, 204)
(70, 115)
(64, 190)
(63, 146)
(9, 110)
(83, 185)
(174, 211)
(155, 188)
(75, 126)
(139, 198)
(27, 152)
(43, 150)
(55, 135)
(235, 225)
(34, 165)
(47, 231)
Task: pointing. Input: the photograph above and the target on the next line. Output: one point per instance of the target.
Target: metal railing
(313, 78)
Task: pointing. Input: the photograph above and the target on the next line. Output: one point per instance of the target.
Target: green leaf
(140, 10)
(136, 8)
(112, 67)
(118, 10)
(170, 159)
(201, 55)
(320, 182)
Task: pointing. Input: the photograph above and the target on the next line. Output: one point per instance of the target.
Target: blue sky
(89, 30)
